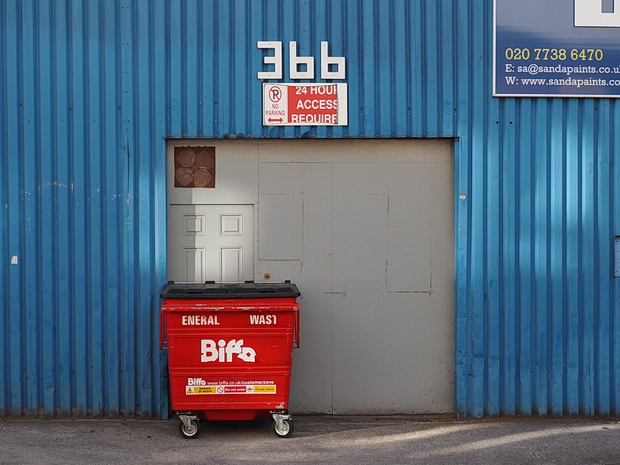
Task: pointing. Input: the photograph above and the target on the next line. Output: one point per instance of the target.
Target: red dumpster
(230, 351)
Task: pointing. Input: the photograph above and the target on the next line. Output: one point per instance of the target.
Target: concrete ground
(316, 440)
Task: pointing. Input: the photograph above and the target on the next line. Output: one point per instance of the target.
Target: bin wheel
(284, 429)
(192, 432)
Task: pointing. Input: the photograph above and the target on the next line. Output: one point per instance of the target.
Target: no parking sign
(304, 104)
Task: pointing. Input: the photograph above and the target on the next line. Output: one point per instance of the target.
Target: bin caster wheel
(283, 428)
(190, 431)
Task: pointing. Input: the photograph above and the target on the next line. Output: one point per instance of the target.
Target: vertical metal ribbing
(91, 90)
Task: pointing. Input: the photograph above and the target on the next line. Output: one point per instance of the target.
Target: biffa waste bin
(230, 351)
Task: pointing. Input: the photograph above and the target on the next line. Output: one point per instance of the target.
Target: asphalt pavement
(317, 439)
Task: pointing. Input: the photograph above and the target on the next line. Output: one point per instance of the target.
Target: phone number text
(554, 54)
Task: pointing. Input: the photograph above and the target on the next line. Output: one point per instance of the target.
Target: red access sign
(304, 104)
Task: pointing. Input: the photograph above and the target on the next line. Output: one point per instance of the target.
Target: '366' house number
(331, 67)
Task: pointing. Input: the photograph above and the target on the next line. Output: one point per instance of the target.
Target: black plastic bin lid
(247, 290)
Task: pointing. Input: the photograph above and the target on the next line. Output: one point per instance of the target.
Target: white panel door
(210, 243)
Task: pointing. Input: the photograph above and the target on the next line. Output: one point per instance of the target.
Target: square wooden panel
(231, 225)
(194, 225)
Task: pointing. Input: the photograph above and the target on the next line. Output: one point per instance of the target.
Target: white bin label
(224, 350)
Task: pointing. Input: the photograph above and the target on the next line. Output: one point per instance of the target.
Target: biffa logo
(223, 351)
(597, 13)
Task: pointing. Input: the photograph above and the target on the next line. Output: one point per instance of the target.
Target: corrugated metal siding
(82, 195)
(537, 324)
(90, 90)
(393, 62)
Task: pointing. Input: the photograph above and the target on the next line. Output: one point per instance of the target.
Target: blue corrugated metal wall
(90, 89)
(538, 330)
(83, 187)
